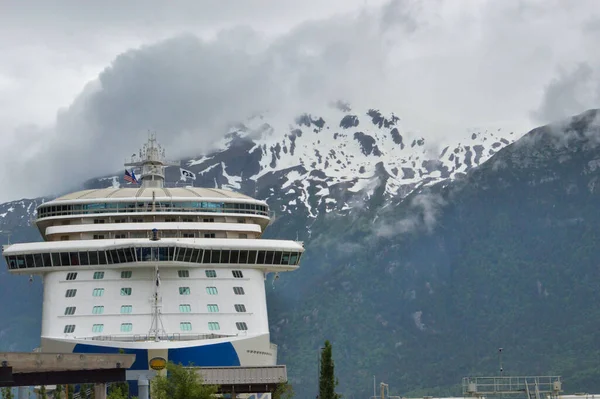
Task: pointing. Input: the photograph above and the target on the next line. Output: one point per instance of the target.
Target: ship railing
(148, 208)
(161, 337)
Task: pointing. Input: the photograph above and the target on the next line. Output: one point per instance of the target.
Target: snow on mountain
(17, 214)
(337, 161)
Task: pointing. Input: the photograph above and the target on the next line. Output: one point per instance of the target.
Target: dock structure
(23, 369)
(527, 387)
(244, 380)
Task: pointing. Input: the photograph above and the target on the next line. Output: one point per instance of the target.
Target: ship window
(183, 273)
(98, 292)
(269, 257)
(211, 290)
(71, 276)
(97, 328)
(243, 256)
(241, 326)
(166, 254)
(208, 220)
(98, 310)
(184, 290)
(225, 256)
(126, 309)
(112, 256)
(285, 258)
(120, 220)
(212, 308)
(98, 236)
(37, 258)
(241, 220)
(64, 259)
(55, 259)
(194, 255)
(71, 293)
(277, 258)
(237, 273)
(84, 258)
(98, 221)
(188, 235)
(98, 275)
(252, 257)
(185, 326)
(210, 273)
(240, 308)
(294, 258)
(74, 258)
(69, 328)
(64, 238)
(29, 261)
(188, 220)
(122, 235)
(238, 290)
(125, 291)
(70, 310)
(185, 308)
(242, 235)
(92, 257)
(126, 327)
(170, 219)
(209, 235)
(126, 274)
(129, 255)
(137, 220)
(213, 326)
(180, 254)
(215, 256)
(46, 259)
(235, 256)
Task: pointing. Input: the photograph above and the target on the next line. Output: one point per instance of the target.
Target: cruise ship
(170, 273)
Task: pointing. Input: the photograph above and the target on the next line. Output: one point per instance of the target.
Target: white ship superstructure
(176, 273)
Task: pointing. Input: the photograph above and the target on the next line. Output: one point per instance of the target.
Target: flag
(186, 174)
(130, 177)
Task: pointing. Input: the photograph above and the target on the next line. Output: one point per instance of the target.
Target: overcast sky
(82, 82)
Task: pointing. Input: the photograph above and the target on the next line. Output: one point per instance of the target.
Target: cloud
(424, 211)
(441, 66)
(570, 93)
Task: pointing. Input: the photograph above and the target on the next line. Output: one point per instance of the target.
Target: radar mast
(152, 163)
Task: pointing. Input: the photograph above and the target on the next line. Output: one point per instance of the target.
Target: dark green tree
(43, 394)
(118, 391)
(327, 379)
(7, 393)
(284, 390)
(181, 383)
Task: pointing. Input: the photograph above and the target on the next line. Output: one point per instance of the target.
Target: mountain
(419, 263)
(332, 162)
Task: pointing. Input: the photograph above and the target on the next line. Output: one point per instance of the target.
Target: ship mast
(152, 163)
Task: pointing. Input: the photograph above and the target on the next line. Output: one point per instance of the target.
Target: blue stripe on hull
(217, 355)
(222, 354)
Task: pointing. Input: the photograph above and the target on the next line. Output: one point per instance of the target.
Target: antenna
(500, 361)
(151, 161)
(156, 327)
